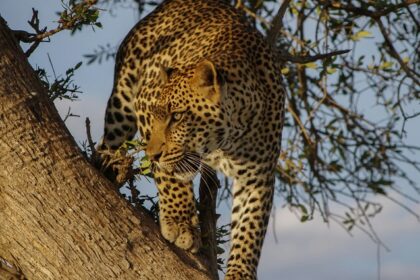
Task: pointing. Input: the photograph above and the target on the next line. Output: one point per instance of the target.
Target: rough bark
(59, 217)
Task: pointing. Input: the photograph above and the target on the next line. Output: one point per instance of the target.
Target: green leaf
(78, 65)
(331, 70)
(360, 35)
(386, 64)
(363, 34)
(310, 65)
(285, 70)
(145, 164)
(304, 218)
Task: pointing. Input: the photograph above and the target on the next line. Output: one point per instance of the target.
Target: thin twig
(300, 124)
(393, 52)
(70, 114)
(255, 16)
(52, 66)
(239, 4)
(413, 17)
(91, 144)
(275, 28)
(335, 5)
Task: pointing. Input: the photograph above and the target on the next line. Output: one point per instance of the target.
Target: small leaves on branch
(76, 14)
(62, 87)
(103, 53)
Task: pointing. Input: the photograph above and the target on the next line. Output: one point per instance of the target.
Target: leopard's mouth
(185, 167)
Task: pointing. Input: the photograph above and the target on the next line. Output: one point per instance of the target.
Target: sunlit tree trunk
(59, 217)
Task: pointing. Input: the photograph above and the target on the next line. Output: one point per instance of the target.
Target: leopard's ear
(164, 73)
(208, 81)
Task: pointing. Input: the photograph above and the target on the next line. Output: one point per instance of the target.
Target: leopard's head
(187, 119)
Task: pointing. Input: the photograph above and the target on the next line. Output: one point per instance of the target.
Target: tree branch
(309, 58)
(394, 8)
(277, 23)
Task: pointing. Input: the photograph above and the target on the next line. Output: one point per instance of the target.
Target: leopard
(203, 88)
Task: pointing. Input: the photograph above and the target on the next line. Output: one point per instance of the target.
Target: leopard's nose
(154, 151)
(155, 156)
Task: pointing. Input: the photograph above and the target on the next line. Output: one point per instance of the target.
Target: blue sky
(313, 250)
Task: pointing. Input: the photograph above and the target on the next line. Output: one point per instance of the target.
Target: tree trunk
(59, 217)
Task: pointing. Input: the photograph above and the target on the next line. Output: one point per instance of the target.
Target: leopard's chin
(185, 176)
(184, 169)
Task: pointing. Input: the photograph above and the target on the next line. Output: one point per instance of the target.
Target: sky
(292, 250)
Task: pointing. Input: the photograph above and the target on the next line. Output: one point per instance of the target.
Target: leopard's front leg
(177, 212)
(252, 201)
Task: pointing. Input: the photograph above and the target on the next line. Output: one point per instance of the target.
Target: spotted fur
(203, 88)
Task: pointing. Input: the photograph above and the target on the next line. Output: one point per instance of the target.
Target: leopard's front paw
(188, 238)
(184, 235)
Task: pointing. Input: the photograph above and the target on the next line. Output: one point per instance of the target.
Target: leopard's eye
(177, 116)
